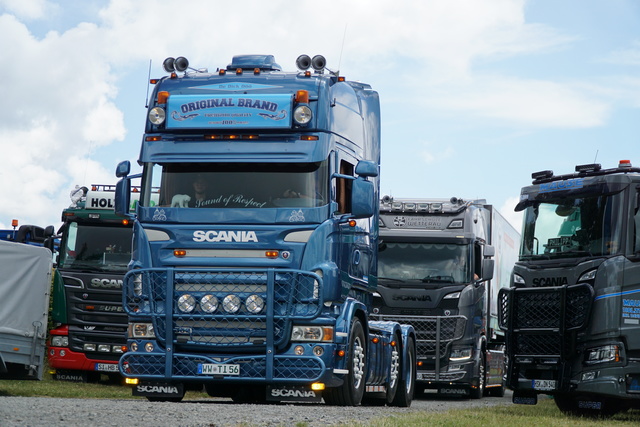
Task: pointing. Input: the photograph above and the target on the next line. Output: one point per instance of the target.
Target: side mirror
(123, 169)
(487, 269)
(123, 197)
(489, 251)
(363, 200)
(366, 168)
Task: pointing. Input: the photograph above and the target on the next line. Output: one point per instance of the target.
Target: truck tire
(391, 386)
(478, 392)
(407, 383)
(350, 393)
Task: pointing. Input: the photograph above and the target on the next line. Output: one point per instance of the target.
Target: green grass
(544, 414)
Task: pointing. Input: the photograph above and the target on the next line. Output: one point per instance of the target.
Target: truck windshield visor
(96, 248)
(424, 263)
(242, 185)
(572, 227)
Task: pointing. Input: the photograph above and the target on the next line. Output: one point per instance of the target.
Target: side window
(636, 226)
(344, 188)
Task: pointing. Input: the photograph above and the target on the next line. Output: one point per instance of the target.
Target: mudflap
(453, 391)
(158, 390)
(524, 398)
(292, 393)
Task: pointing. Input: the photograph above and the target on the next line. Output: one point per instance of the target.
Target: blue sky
(476, 94)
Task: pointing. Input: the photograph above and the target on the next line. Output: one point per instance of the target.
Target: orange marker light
(163, 95)
(179, 253)
(125, 222)
(375, 340)
(302, 96)
(14, 222)
(352, 223)
(272, 254)
(341, 353)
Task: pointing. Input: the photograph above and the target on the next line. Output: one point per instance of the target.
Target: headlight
(606, 353)
(209, 303)
(452, 295)
(254, 304)
(458, 354)
(186, 303)
(137, 285)
(157, 115)
(589, 275)
(312, 333)
(141, 330)
(302, 114)
(59, 341)
(231, 303)
(518, 280)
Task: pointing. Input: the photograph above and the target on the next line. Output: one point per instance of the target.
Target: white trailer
(25, 283)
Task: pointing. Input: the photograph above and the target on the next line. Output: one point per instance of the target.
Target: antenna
(146, 100)
(344, 36)
(596, 157)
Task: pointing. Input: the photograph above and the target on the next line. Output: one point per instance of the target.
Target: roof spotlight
(303, 62)
(168, 65)
(318, 62)
(181, 63)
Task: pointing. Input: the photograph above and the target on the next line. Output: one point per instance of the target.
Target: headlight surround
(605, 353)
(518, 279)
(231, 304)
(311, 333)
(209, 303)
(302, 114)
(157, 116)
(459, 354)
(186, 303)
(452, 295)
(255, 304)
(59, 341)
(588, 276)
(141, 330)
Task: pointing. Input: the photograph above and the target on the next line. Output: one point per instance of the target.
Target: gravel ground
(55, 412)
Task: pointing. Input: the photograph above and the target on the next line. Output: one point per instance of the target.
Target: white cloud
(626, 56)
(30, 9)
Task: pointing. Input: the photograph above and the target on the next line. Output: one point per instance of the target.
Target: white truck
(25, 283)
(441, 264)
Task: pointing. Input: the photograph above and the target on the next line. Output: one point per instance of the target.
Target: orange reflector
(341, 353)
(89, 307)
(179, 253)
(154, 81)
(16, 348)
(125, 222)
(153, 138)
(302, 96)
(163, 95)
(307, 73)
(393, 343)
(222, 72)
(352, 223)
(309, 138)
(271, 254)
(14, 222)
(256, 71)
(375, 340)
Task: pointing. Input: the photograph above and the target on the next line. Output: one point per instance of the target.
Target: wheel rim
(358, 363)
(395, 367)
(409, 374)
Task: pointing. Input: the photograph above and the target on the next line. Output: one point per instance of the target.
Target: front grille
(432, 332)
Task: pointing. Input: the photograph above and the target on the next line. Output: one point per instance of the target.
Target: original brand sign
(423, 222)
(224, 236)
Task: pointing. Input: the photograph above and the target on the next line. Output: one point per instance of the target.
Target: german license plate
(544, 385)
(106, 367)
(218, 369)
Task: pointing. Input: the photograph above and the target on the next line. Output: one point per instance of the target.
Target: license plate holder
(543, 385)
(217, 369)
(106, 367)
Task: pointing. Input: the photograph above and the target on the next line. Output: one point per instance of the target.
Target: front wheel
(478, 392)
(407, 383)
(351, 391)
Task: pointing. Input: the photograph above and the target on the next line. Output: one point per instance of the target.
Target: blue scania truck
(254, 275)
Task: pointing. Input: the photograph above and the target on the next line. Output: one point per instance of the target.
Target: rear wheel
(407, 378)
(351, 391)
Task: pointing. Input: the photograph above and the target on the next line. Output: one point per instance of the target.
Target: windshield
(424, 262)
(572, 227)
(242, 185)
(96, 248)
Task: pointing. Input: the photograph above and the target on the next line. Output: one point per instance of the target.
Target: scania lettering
(255, 272)
(89, 324)
(441, 264)
(570, 317)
